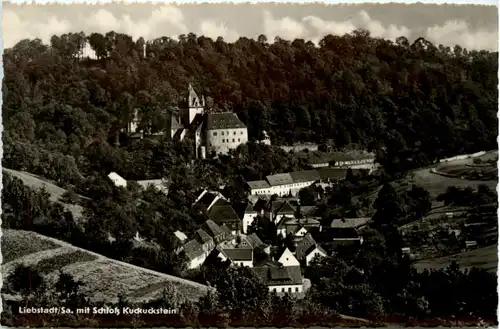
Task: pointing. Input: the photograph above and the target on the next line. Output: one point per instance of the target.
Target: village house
(288, 259)
(224, 215)
(282, 280)
(218, 233)
(297, 227)
(332, 238)
(356, 223)
(159, 184)
(237, 256)
(247, 214)
(207, 199)
(279, 209)
(117, 180)
(307, 249)
(198, 248)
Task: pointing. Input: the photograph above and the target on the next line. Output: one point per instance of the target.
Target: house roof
(113, 175)
(332, 173)
(258, 184)
(249, 209)
(238, 254)
(213, 229)
(349, 222)
(308, 210)
(304, 246)
(327, 234)
(223, 213)
(275, 276)
(279, 179)
(286, 208)
(254, 240)
(193, 249)
(226, 120)
(203, 236)
(176, 122)
(305, 176)
(181, 236)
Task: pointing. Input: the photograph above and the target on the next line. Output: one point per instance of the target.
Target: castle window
(223, 139)
(238, 139)
(234, 133)
(215, 133)
(222, 133)
(233, 140)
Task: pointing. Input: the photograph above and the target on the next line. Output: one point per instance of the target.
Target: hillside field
(34, 182)
(485, 258)
(103, 278)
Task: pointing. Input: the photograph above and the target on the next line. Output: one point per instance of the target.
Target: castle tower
(194, 106)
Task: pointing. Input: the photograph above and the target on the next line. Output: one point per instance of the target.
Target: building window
(282, 289)
(234, 133)
(223, 139)
(274, 289)
(296, 289)
(215, 133)
(238, 139)
(222, 133)
(242, 133)
(233, 140)
(289, 289)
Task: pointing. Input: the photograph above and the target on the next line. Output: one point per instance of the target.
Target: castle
(213, 132)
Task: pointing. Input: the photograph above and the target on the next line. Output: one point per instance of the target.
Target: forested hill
(413, 100)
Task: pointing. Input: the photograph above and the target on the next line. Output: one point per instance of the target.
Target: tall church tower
(194, 106)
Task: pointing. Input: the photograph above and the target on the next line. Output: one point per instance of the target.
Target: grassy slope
(103, 278)
(55, 192)
(485, 258)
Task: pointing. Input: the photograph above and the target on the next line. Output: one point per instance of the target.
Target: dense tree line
(379, 282)
(411, 102)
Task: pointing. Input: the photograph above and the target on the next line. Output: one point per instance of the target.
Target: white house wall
(282, 190)
(281, 289)
(196, 262)
(248, 220)
(313, 254)
(288, 259)
(223, 140)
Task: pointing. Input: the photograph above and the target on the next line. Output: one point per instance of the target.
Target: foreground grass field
(485, 258)
(103, 278)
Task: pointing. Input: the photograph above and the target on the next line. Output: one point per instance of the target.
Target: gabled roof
(239, 254)
(349, 222)
(193, 249)
(305, 176)
(203, 236)
(308, 210)
(258, 184)
(304, 246)
(286, 208)
(226, 120)
(175, 122)
(113, 175)
(275, 276)
(279, 179)
(223, 213)
(254, 240)
(181, 236)
(213, 229)
(249, 209)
